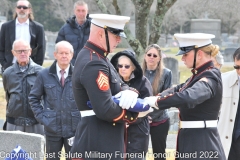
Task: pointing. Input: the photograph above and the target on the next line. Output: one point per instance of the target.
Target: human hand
(143, 114)
(127, 98)
(151, 101)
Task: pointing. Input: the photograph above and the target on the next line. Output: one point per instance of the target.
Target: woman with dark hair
(161, 79)
(131, 73)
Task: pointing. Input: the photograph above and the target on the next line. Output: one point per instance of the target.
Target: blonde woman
(198, 100)
(161, 79)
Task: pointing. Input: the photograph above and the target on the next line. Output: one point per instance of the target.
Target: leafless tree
(142, 10)
(7, 6)
(228, 12)
(62, 9)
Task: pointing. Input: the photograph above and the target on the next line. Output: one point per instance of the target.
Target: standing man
(229, 119)
(17, 82)
(101, 129)
(22, 27)
(58, 113)
(77, 28)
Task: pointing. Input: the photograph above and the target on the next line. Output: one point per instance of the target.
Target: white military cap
(190, 41)
(113, 23)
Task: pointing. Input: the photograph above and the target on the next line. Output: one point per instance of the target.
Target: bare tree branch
(161, 9)
(60, 6)
(142, 9)
(117, 9)
(102, 6)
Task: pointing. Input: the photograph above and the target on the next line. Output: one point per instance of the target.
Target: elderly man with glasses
(17, 82)
(22, 27)
(229, 119)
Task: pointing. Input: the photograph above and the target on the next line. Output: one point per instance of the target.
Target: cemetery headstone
(32, 143)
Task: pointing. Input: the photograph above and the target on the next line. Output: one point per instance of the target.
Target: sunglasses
(150, 55)
(23, 7)
(236, 67)
(121, 66)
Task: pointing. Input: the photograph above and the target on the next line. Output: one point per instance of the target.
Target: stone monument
(211, 26)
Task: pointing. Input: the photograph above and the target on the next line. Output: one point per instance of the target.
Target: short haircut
(66, 44)
(20, 40)
(80, 3)
(236, 55)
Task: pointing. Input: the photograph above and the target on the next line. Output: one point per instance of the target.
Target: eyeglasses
(150, 55)
(121, 66)
(23, 7)
(22, 51)
(236, 67)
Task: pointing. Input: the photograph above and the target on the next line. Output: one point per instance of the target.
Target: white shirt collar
(18, 23)
(59, 69)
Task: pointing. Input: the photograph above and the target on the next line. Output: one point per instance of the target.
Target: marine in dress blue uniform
(100, 133)
(198, 100)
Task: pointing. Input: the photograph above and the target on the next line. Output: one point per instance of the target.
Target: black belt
(21, 121)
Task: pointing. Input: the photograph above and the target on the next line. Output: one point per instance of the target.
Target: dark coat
(37, 43)
(165, 82)
(137, 132)
(74, 35)
(17, 86)
(197, 101)
(58, 112)
(95, 79)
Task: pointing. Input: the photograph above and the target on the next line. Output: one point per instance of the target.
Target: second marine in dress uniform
(198, 100)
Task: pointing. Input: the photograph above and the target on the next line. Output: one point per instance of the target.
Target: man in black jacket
(17, 82)
(58, 113)
(22, 27)
(76, 29)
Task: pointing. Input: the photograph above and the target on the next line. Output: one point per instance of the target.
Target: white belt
(87, 113)
(198, 124)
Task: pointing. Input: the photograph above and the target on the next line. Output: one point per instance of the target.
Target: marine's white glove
(127, 98)
(152, 101)
(70, 141)
(143, 114)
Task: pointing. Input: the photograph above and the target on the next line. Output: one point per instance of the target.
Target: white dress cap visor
(189, 41)
(113, 21)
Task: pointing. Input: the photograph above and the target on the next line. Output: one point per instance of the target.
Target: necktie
(62, 77)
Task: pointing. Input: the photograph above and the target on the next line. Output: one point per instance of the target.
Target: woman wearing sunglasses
(161, 79)
(131, 73)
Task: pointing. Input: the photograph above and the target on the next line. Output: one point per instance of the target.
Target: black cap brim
(117, 32)
(184, 50)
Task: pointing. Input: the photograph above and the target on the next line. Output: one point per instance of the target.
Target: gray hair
(219, 58)
(80, 3)
(66, 44)
(131, 63)
(20, 40)
(30, 16)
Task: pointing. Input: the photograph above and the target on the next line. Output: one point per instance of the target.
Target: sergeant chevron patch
(102, 81)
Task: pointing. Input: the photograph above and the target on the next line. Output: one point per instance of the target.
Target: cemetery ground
(184, 74)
